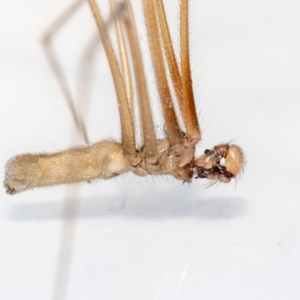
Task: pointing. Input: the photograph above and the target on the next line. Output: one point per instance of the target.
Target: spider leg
(171, 61)
(57, 69)
(181, 80)
(182, 83)
(147, 126)
(171, 122)
(191, 120)
(128, 135)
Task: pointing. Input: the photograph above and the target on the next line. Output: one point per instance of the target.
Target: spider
(173, 155)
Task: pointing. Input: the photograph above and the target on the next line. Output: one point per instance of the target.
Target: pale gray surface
(155, 238)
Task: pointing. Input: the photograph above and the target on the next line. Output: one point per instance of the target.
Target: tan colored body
(101, 160)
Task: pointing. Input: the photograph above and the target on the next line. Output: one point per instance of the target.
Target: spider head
(222, 163)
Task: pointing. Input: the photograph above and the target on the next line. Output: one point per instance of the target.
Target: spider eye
(206, 151)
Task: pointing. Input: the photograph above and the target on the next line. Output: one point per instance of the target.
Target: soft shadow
(162, 208)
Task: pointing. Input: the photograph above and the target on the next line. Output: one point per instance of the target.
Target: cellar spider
(173, 155)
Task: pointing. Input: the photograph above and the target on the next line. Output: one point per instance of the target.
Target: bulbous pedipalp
(235, 160)
(209, 164)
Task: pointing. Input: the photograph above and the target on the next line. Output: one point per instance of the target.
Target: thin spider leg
(170, 55)
(148, 133)
(85, 74)
(172, 126)
(128, 137)
(87, 62)
(57, 69)
(66, 240)
(192, 125)
(123, 52)
(71, 201)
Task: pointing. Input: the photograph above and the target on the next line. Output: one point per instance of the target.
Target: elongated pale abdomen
(101, 160)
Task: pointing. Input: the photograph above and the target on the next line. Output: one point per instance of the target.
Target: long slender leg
(192, 125)
(71, 201)
(70, 208)
(66, 243)
(128, 137)
(149, 138)
(56, 66)
(182, 84)
(170, 55)
(172, 126)
(118, 13)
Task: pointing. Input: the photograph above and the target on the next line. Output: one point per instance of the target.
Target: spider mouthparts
(214, 173)
(221, 163)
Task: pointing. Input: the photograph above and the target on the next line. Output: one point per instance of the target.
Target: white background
(144, 238)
